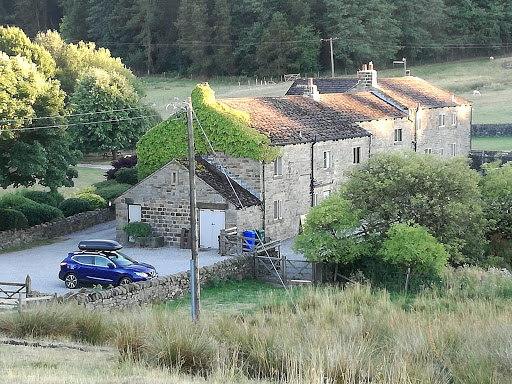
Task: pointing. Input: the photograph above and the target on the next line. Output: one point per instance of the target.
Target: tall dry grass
(457, 332)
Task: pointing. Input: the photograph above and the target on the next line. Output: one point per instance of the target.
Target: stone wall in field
(56, 228)
(491, 130)
(163, 288)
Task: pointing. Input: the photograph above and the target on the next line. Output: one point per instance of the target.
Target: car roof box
(99, 245)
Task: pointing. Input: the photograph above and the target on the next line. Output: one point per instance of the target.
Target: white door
(210, 224)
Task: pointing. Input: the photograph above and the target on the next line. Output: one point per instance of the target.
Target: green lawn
(86, 177)
(492, 143)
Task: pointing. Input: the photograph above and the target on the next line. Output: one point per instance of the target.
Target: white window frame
(278, 167)
(327, 159)
(427, 151)
(278, 209)
(442, 120)
(315, 199)
(398, 135)
(326, 194)
(454, 119)
(174, 177)
(453, 149)
(356, 155)
(134, 213)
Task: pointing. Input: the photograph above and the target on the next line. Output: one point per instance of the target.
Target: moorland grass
(458, 331)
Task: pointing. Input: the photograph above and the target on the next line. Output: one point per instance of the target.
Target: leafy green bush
(74, 205)
(12, 219)
(127, 176)
(96, 201)
(137, 229)
(105, 184)
(50, 198)
(14, 200)
(39, 213)
(111, 191)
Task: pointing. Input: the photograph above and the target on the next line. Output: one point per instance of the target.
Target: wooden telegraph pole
(194, 265)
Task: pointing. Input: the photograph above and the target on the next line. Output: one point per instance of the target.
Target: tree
(73, 60)
(274, 54)
(437, 193)
(195, 35)
(33, 142)
(223, 56)
(496, 188)
(331, 233)
(13, 42)
(367, 31)
(74, 20)
(409, 245)
(109, 114)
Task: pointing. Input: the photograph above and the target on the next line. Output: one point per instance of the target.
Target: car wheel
(71, 281)
(125, 280)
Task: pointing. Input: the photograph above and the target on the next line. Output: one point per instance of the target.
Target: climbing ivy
(228, 130)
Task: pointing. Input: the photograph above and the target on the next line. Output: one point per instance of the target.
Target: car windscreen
(121, 259)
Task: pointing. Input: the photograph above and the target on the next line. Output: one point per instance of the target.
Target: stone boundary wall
(162, 288)
(55, 228)
(491, 130)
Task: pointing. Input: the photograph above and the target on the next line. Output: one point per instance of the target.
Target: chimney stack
(368, 76)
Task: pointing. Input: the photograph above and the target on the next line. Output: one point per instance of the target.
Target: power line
(70, 115)
(112, 121)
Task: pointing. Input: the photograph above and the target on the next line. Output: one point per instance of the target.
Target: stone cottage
(323, 127)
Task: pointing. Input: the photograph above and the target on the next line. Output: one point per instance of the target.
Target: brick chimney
(367, 76)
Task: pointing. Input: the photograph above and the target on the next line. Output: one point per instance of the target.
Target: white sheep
(476, 92)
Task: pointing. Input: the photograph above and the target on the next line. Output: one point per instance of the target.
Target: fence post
(20, 301)
(28, 286)
(283, 268)
(407, 279)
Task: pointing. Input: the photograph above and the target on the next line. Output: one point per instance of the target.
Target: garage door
(210, 224)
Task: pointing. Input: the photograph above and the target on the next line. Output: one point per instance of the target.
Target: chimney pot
(365, 67)
(407, 72)
(370, 65)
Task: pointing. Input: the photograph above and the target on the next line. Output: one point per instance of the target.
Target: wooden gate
(288, 271)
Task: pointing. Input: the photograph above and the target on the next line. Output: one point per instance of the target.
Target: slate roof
(216, 179)
(296, 119)
(335, 85)
(363, 106)
(411, 90)
(407, 91)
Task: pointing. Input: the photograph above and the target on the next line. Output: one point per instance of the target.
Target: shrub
(14, 200)
(137, 229)
(49, 198)
(12, 219)
(94, 200)
(124, 162)
(74, 205)
(112, 191)
(39, 213)
(105, 184)
(127, 176)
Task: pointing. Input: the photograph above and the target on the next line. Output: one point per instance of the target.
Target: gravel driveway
(42, 263)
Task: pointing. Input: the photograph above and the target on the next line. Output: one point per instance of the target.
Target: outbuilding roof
(223, 184)
(334, 85)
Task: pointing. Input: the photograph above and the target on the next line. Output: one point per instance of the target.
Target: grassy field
(492, 143)
(488, 76)
(458, 332)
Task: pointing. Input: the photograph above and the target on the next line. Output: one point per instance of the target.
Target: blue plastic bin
(250, 240)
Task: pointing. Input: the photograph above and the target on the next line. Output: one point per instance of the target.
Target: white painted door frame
(210, 223)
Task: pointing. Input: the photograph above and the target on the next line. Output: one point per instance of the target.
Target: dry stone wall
(163, 288)
(56, 228)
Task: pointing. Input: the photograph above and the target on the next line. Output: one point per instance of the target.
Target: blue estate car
(101, 262)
